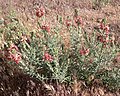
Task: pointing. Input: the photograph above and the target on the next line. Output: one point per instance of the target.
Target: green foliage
(33, 54)
(11, 30)
(101, 66)
(86, 56)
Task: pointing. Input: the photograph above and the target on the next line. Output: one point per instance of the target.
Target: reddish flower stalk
(8, 55)
(84, 51)
(78, 20)
(13, 46)
(107, 29)
(68, 23)
(102, 26)
(16, 57)
(100, 38)
(40, 12)
(13, 57)
(103, 39)
(47, 57)
(46, 28)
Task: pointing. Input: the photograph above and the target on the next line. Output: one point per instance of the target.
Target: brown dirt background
(16, 84)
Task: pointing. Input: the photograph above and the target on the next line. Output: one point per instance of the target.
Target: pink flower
(104, 27)
(13, 57)
(16, 58)
(103, 39)
(107, 29)
(47, 57)
(78, 20)
(68, 23)
(12, 47)
(100, 38)
(40, 12)
(45, 27)
(9, 55)
(84, 52)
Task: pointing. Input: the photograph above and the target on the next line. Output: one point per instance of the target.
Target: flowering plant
(40, 12)
(43, 54)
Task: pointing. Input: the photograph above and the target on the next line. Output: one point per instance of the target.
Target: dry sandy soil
(16, 84)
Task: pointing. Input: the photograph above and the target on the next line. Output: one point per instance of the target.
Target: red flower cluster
(105, 28)
(14, 57)
(47, 57)
(12, 46)
(84, 51)
(45, 27)
(100, 38)
(40, 12)
(68, 23)
(9, 55)
(78, 20)
(103, 39)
